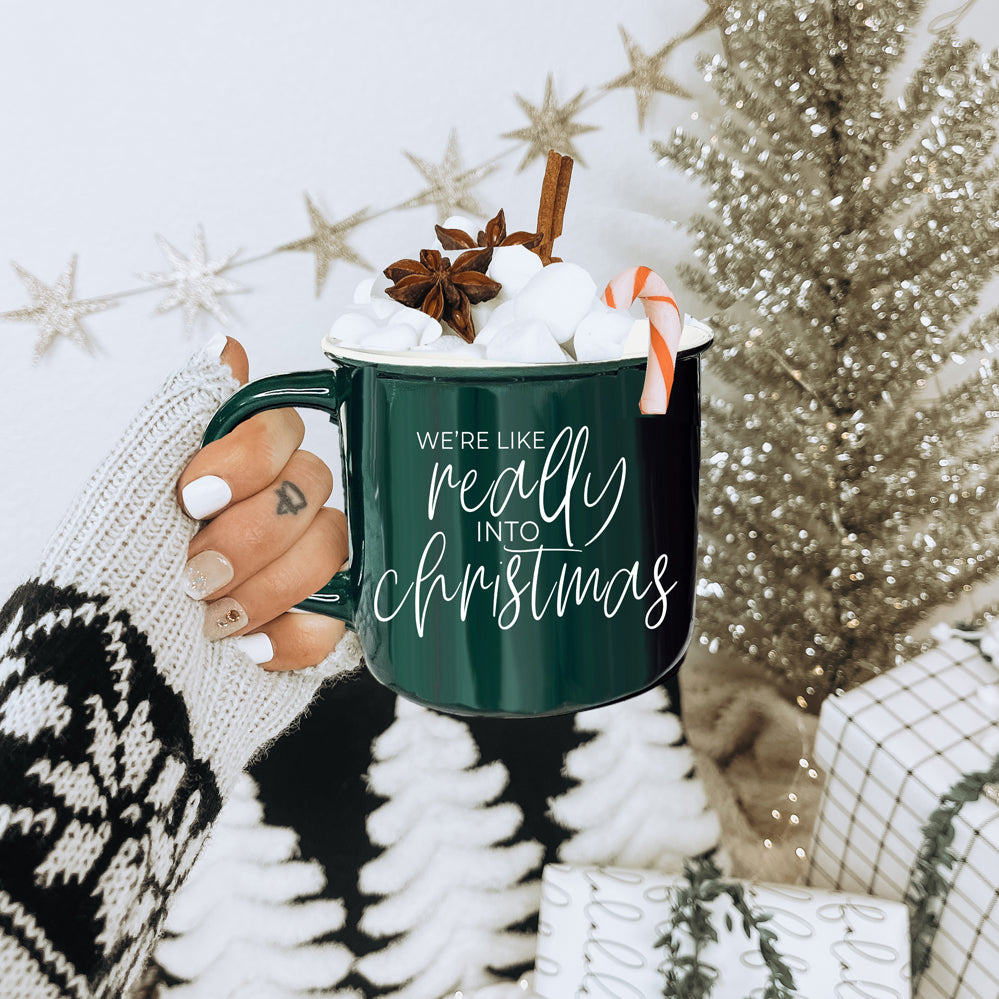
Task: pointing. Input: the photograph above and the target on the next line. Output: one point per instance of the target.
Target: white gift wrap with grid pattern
(890, 749)
(598, 930)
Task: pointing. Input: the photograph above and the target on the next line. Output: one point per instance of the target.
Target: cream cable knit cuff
(126, 538)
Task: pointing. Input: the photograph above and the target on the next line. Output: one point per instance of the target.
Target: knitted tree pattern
(638, 802)
(451, 878)
(249, 919)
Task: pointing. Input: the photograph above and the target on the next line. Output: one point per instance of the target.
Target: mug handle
(324, 390)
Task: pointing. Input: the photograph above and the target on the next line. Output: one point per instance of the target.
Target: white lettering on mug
(571, 586)
(538, 578)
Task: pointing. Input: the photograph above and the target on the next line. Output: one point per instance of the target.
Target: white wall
(120, 121)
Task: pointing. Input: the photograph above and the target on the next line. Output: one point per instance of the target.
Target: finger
(305, 567)
(240, 464)
(249, 535)
(293, 641)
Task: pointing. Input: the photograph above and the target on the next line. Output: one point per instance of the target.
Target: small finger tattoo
(291, 499)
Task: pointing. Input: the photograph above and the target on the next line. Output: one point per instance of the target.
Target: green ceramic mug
(522, 540)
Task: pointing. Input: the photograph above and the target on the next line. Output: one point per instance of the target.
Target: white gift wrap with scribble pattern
(599, 928)
(891, 747)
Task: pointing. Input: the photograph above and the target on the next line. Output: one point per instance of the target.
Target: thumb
(234, 356)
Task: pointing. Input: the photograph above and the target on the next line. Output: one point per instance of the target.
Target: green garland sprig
(928, 884)
(689, 977)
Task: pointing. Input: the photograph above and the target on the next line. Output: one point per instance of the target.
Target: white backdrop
(125, 121)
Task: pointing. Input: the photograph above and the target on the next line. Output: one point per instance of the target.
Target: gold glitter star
(54, 310)
(329, 242)
(449, 184)
(646, 75)
(551, 126)
(195, 280)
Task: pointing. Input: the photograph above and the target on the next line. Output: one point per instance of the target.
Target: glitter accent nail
(223, 617)
(205, 573)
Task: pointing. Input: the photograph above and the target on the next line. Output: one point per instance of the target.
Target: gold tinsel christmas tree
(850, 480)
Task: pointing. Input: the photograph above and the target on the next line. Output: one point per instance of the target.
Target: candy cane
(665, 326)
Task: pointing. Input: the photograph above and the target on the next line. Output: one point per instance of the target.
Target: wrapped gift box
(599, 928)
(890, 749)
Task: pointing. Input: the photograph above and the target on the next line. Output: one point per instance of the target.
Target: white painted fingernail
(213, 348)
(258, 647)
(205, 496)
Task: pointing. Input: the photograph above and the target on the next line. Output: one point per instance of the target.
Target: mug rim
(433, 365)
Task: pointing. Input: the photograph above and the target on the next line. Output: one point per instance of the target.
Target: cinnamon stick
(551, 211)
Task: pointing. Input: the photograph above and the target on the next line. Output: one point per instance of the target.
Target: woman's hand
(268, 541)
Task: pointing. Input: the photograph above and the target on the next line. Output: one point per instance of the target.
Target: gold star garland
(54, 310)
(195, 282)
(449, 183)
(552, 126)
(646, 76)
(329, 242)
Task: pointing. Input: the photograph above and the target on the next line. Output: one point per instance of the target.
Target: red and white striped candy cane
(665, 326)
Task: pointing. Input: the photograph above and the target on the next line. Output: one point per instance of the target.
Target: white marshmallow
(462, 223)
(559, 295)
(513, 267)
(362, 292)
(451, 343)
(595, 350)
(353, 327)
(398, 336)
(504, 314)
(600, 334)
(427, 328)
(527, 341)
(381, 305)
(481, 314)
(383, 308)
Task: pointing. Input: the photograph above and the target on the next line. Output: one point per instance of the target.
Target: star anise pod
(444, 290)
(493, 235)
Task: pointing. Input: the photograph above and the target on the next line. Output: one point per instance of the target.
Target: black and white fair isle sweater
(122, 729)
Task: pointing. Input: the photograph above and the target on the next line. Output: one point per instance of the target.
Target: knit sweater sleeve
(122, 729)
